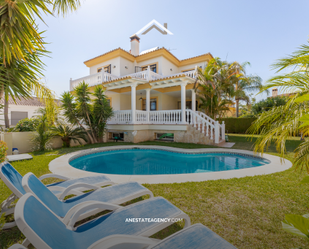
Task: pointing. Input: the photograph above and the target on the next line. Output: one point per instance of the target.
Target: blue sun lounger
(110, 196)
(45, 230)
(13, 181)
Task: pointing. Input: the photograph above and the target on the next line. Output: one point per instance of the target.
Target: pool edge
(62, 167)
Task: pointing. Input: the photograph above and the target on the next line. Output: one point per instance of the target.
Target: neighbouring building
(152, 94)
(20, 109)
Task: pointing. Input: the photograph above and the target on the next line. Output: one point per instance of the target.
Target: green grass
(247, 212)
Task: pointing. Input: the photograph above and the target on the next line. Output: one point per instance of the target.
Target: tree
(69, 133)
(214, 87)
(277, 124)
(90, 111)
(243, 83)
(42, 135)
(267, 104)
(22, 45)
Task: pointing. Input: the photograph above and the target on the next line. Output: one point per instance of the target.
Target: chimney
(134, 45)
(274, 92)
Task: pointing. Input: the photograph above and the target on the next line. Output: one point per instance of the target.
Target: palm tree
(243, 83)
(22, 45)
(18, 30)
(69, 133)
(214, 86)
(277, 124)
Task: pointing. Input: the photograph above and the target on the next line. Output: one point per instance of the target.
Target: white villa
(152, 93)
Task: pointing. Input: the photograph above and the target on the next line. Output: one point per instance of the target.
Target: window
(118, 136)
(107, 69)
(16, 116)
(153, 104)
(109, 102)
(153, 68)
(165, 136)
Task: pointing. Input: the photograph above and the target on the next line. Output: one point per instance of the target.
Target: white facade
(28, 111)
(151, 88)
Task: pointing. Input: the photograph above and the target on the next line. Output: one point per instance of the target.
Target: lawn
(247, 212)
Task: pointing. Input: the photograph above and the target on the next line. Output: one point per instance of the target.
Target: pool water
(160, 162)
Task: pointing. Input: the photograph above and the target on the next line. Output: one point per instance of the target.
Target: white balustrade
(191, 74)
(93, 79)
(140, 75)
(165, 117)
(121, 117)
(141, 117)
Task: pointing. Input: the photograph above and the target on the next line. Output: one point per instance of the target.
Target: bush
(26, 124)
(3, 149)
(237, 125)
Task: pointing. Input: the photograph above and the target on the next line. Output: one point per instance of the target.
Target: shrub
(26, 124)
(3, 149)
(237, 125)
(42, 135)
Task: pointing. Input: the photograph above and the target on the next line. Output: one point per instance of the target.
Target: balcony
(101, 77)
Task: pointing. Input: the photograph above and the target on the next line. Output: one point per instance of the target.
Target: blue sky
(256, 31)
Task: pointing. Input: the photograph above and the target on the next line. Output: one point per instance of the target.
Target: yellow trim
(111, 55)
(185, 70)
(197, 59)
(140, 58)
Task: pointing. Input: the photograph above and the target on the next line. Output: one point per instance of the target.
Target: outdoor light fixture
(126, 67)
(171, 69)
(114, 66)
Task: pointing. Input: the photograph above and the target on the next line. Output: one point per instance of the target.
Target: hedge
(237, 125)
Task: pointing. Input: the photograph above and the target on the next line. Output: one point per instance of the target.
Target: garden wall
(237, 125)
(22, 141)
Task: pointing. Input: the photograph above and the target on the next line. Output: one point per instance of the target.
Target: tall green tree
(89, 111)
(243, 83)
(214, 88)
(22, 46)
(292, 119)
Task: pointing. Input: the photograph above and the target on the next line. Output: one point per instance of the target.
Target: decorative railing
(209, 119)
(121, 117)
(191, 74)
(93, 79)
(141, 116)
(200, 121)
(206, 125)
(155, 76)
(140, 75)
(165, 117)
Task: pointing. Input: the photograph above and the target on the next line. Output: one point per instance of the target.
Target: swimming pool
(137, 161)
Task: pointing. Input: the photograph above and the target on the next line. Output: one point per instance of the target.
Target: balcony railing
(93, 79)
(99, 78)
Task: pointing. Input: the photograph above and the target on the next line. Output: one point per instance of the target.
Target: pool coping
(62, 167)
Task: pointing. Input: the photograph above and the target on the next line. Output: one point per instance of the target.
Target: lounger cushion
(13, 176)
(195, 237)
(108, 194)
(90, 180)
(51, 230)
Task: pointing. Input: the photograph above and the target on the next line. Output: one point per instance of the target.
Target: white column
(217, 132)
(133, 103)
(148, 103)
(223, 131)
(183, 102)
(193, 101)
